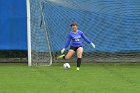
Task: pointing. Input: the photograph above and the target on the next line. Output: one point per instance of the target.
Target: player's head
(74, 26)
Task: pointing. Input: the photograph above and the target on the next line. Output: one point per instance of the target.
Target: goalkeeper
(76, 45)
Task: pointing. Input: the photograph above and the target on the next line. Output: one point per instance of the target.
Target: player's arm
(67, 44)
(87, 40)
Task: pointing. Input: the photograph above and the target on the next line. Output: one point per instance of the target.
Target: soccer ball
(66, 66)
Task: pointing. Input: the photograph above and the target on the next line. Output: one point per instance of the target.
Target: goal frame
(28, 32)
(29, 49)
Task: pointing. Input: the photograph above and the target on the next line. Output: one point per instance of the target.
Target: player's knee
(79, 56)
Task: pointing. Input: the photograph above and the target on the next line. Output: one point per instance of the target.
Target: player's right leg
(68, 55)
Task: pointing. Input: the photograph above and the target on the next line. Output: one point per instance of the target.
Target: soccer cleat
(78, 68)
(60, 57)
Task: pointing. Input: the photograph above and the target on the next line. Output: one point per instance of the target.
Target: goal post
(39, 52)
(28, 32)
(112, 25)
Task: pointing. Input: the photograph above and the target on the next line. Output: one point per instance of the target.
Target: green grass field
(92, 78)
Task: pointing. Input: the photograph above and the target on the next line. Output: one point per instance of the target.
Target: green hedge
(13, 54)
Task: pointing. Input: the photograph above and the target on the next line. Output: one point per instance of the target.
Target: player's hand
(93, 45)
(62, 51)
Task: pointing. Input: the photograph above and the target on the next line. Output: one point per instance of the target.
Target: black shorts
(74, 48)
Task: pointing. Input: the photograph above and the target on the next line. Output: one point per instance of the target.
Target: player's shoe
(78, 69)
(60, 57)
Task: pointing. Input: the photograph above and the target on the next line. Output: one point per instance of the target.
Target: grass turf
(92, 78)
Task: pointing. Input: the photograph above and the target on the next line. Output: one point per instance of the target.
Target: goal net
(114, 27)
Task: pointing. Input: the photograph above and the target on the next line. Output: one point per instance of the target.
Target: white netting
(114, 26)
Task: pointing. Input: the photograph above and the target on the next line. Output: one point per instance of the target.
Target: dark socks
(78, 62)
(63, 57)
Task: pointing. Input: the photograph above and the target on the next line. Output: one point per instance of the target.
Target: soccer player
(76, 45)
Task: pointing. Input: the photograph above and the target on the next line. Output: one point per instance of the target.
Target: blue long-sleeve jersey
(74, 39)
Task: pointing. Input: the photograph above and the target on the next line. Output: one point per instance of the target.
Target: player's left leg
(79, 57)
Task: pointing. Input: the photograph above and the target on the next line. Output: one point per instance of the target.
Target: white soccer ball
(66, 66)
